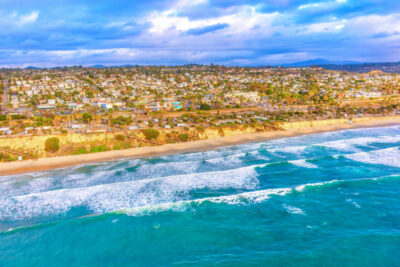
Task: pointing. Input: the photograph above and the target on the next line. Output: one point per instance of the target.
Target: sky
(48, 33)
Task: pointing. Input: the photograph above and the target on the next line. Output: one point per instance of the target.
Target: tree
(120, 137)
(204, 106)
(87, 118)
(183, 137)
(150, 133)
(52, 144)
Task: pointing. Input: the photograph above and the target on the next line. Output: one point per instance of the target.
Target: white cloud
(321, 5)
(25, 19)
(372, 24)
(18, 19)
(309, 6)
(243, 20)
(323, 27)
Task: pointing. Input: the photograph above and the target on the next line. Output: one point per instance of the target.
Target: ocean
(329, 199)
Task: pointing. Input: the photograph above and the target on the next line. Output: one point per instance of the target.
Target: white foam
(116, 172)
(258, 156)
(303, 163)
(232, 159)
(138, 199)
(349, 144)
(289, 149)
(166, 169)
(237, 199)
(248, 197)
(108, 197)
(355, 204)
(301, 188)
(346, 145)
(388, 157)
(293, 210)
(24, 185)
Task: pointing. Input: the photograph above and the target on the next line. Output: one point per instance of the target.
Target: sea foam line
(389, 157)
(108, 197)
(252, 197)
(236, 199)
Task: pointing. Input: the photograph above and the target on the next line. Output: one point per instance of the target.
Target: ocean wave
(108, 197)
(289, 149)
(13, 186)
(344, 144)
(349, 144)
(233, 159)
(303, 163)
(293, 210)
(242, 198)
(246, 198)
(388, 157)
(355, 204)
(85, 176)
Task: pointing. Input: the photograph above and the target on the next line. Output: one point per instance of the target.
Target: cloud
(384, 34)
(32, 17)
(247, 32)
(207, 29)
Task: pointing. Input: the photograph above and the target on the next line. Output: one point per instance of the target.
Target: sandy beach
(292, 129)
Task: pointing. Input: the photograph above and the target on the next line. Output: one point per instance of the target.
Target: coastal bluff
(70, 142)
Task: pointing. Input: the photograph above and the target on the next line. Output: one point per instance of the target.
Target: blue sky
(249, 32)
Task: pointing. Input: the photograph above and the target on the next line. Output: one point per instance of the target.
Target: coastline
(291, 130)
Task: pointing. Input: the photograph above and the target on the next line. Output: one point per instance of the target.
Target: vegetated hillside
(72, 144)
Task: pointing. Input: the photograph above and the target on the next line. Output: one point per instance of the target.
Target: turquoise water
(330, 199)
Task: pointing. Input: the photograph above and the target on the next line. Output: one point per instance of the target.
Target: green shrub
(170, 141)
(52, 144)
(204, 106)
(183, 137)
(8, 157)
(87, 117)
(150, 133)
(200, 128)
(121, 120)
(101, 148)
(18, 117)
(81, 150)
(120, 137)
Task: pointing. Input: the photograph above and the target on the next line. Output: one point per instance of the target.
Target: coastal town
(138, 102)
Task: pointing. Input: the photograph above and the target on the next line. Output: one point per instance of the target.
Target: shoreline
(313, 127)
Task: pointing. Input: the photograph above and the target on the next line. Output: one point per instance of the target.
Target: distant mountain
(389, 67)
(352, 66)
(113, 66)
(99, 66)
(318, 62)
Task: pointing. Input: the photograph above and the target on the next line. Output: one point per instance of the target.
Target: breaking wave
(388, 157)
(243, 198)
(108, 197)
